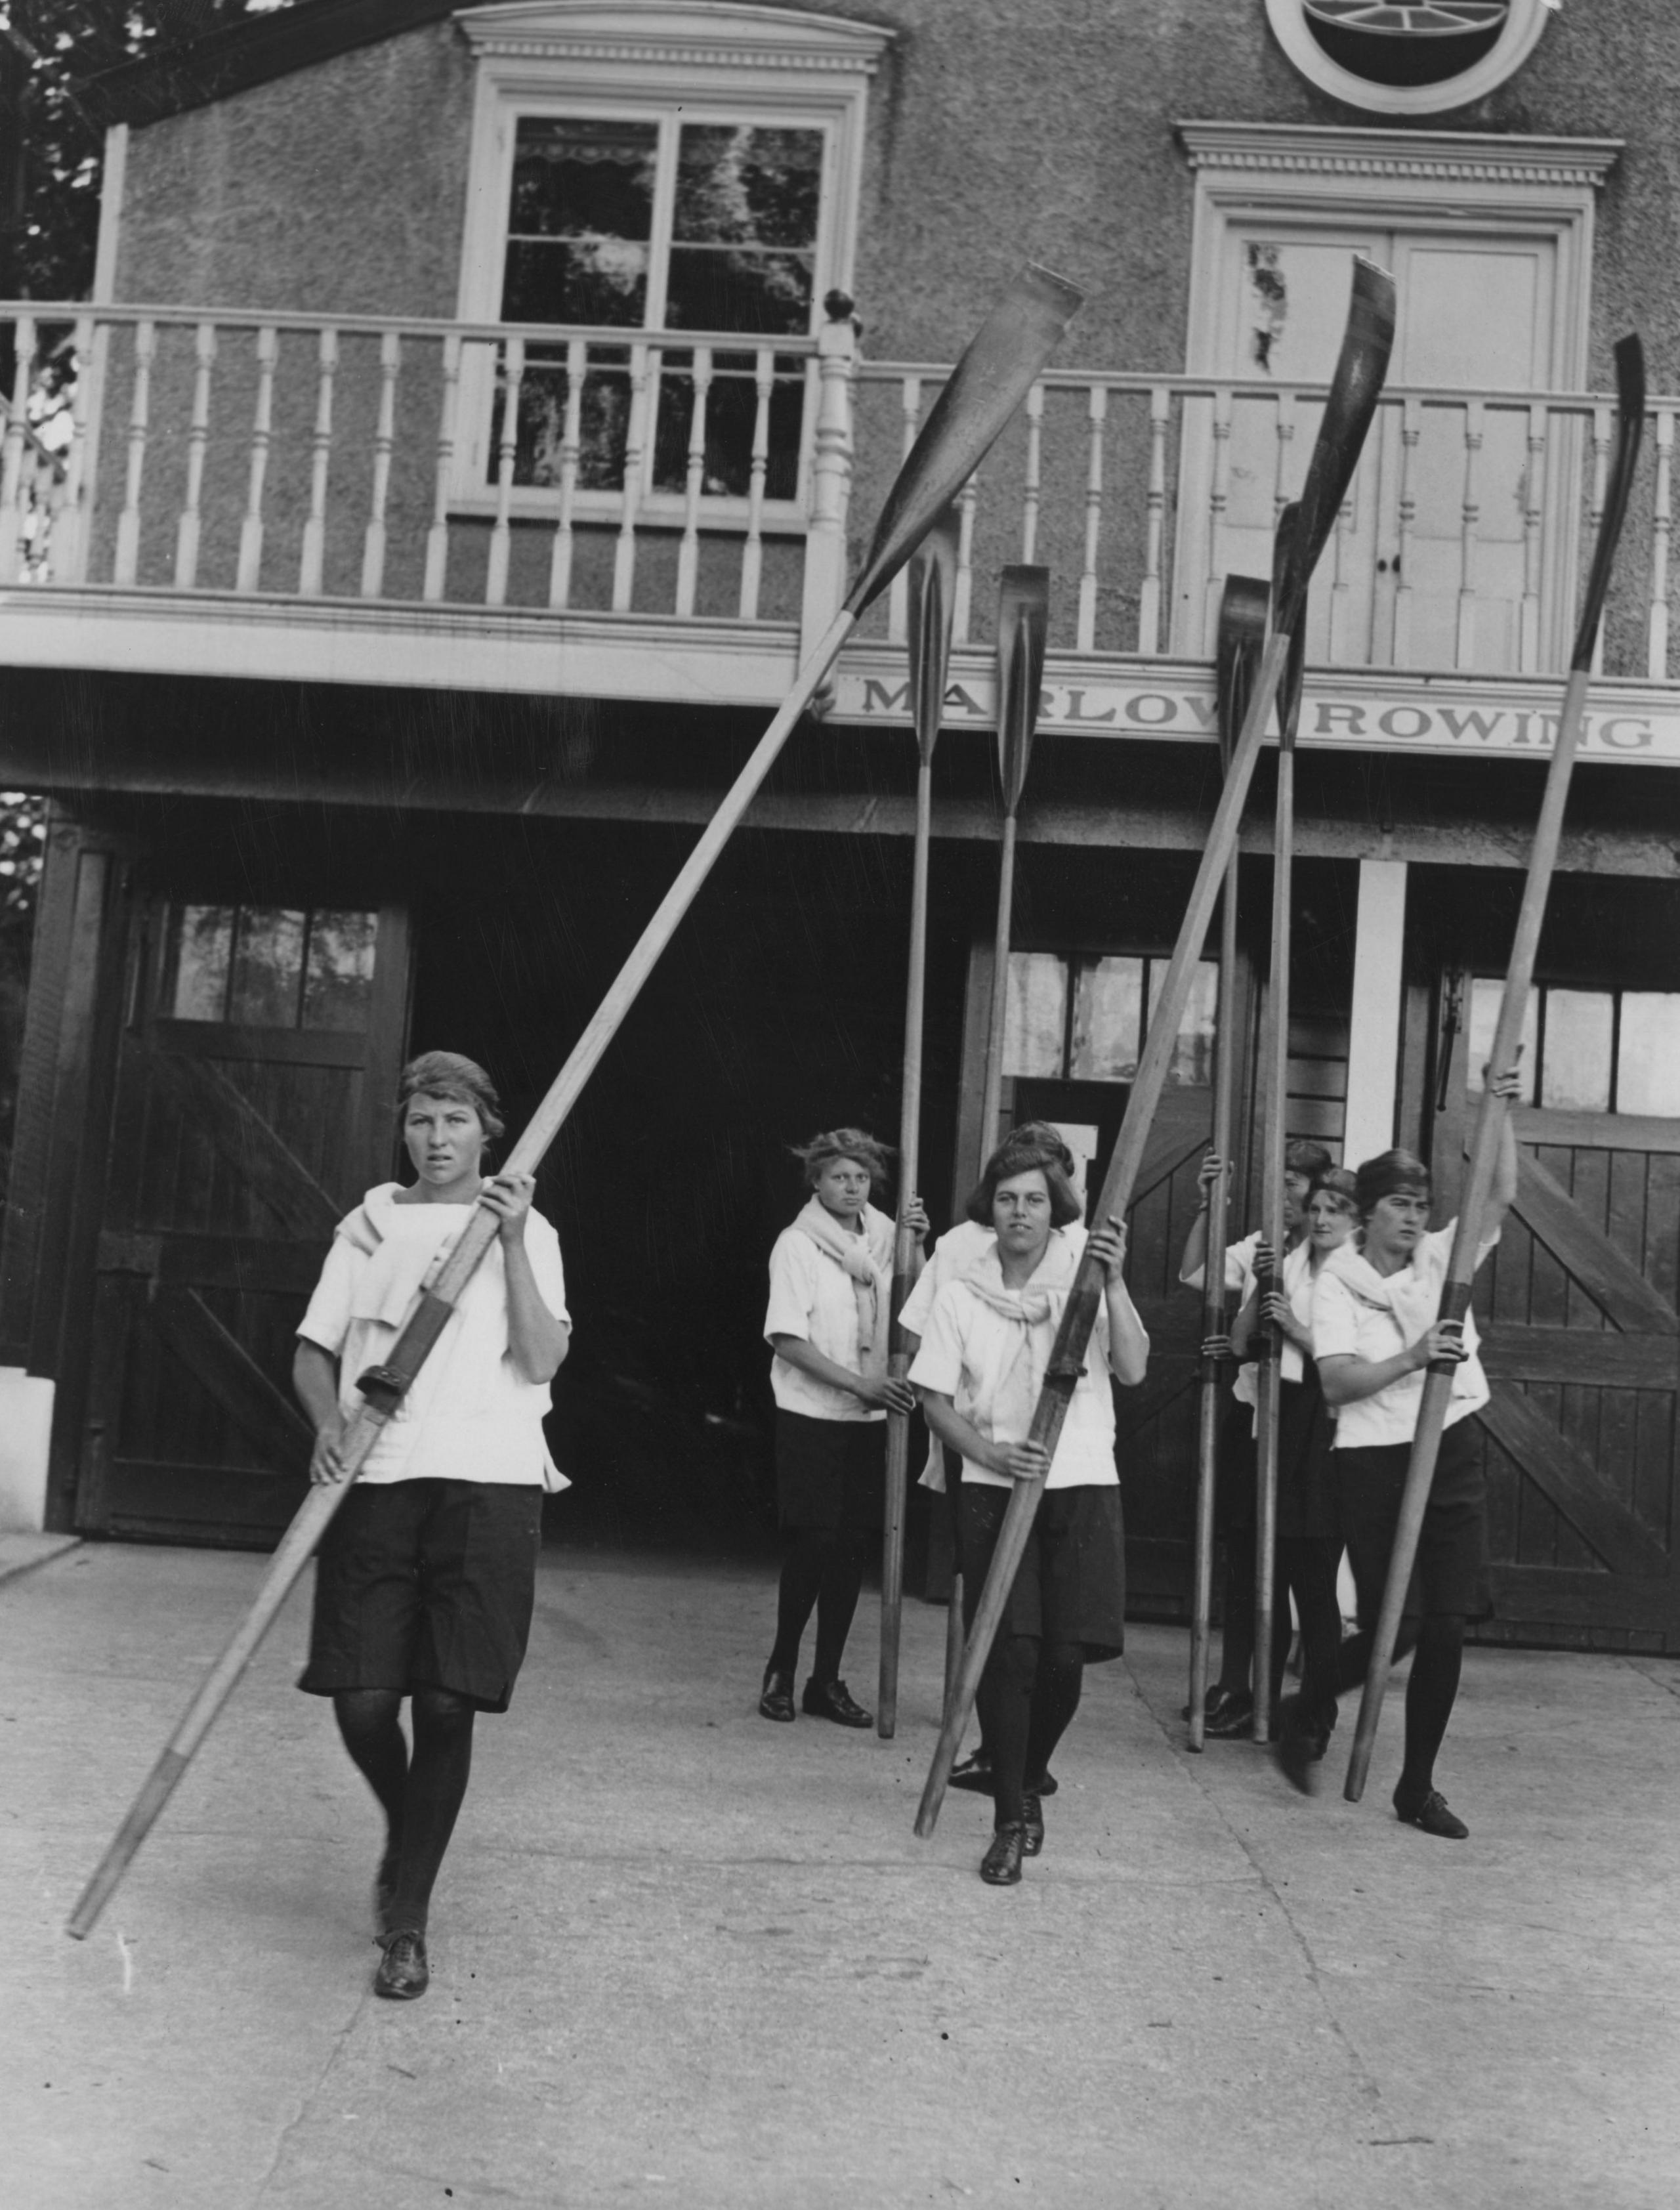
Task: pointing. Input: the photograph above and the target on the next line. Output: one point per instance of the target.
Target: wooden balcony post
(898, 596)
(384, 438)
(1662, 525)
(437, 538)
(126, 565)
(687, 555)
(1097, 418)
(198, 434)
(506, 454)
(831, 475)
(68, 561)
(312, 563)
(752, 550)
(646, 367)
(11, 463)
(249, 571)
(1149, 596)
(571, 451)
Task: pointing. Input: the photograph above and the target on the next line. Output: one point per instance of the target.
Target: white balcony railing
(706, 477)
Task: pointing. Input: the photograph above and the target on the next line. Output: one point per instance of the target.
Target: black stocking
(1056, 1693)
(1429, 1696)
(823, 1571)
(437, 1776)
(1006, 1702)
(368, 1723)
(1307, 1567)
(1236, 1636)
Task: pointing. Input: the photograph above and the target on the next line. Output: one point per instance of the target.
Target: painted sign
(1513, 718)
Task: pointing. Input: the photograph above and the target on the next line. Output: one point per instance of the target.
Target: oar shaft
(1461, 1267)
(1227, 1057)
(1068, 1356)
(910, 1129)
(1274, 1121)
(432, 1311)
(991, 1094)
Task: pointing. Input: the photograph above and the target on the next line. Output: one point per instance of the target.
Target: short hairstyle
(1338, 1182)
(1031, 1135)
(1303, 1158)
(856, 1143)
(1013, 1158)
(1386, 1175)
(450, 1074)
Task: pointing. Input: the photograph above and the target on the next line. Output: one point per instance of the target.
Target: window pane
(1485, 993)
(337, 976)
(1575, 1071)
(1108, 1011)
(1037, 1013)
(713, 287)
(603, 420)
(1192, 1062)
(1647, 1072)
(580, 215)
(738, 186)
(196, 978)
(731, 416)
(268, 968)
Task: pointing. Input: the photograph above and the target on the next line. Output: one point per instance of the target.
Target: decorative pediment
(690, 34)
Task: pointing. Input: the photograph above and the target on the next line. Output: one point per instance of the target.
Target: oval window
(1408, 56)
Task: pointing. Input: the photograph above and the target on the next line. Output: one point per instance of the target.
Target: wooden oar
(933, 584)
(986, 387)
(1242, 635)
(1023, 627)
(1023, 624)
(1347, 414)
(1507, 1044)
(1274, 1114)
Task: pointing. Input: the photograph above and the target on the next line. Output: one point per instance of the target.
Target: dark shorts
(1451, 1577)
(830, 1473)
(1072, 1583)
(427, 1584)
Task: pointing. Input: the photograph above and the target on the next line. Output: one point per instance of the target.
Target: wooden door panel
(235, 1151)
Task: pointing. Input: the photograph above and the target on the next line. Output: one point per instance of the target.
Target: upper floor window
(659, 167)
(658, 223)
(1408, 57)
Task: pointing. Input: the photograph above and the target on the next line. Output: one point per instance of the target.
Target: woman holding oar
(979, 1370)
(1309, 1548)
(1375, 1328)
(427, 1574)
(831, 1277)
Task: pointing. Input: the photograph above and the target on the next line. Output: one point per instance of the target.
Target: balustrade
(700, 477)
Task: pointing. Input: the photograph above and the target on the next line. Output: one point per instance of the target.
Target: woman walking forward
(427, 1574)
(831, 1280)
(979, 1372)
(1376, 1326)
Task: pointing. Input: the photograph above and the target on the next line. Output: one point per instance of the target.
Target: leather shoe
(828, 1699)
(777, 1700)
(974, 1773)
(1299, 1747)
(1432, 1815)
(1031, 1824)
(1232, 1715)
(403, 1971)
(1000, 1865)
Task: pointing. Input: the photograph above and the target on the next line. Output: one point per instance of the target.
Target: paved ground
(682, 1956)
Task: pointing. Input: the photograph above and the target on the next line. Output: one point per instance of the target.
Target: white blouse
(814, 1298)
(1358, 1312)
(470, 1413)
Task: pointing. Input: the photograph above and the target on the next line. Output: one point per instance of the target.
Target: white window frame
(1398, 179)
(644, 61)
(1521, 34)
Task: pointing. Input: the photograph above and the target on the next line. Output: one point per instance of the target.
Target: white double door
(1455, 548)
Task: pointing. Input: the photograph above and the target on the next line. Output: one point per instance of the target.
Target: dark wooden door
(252, 1110)
(1578, 1310)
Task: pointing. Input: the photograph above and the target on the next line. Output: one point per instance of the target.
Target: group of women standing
(425, 1582)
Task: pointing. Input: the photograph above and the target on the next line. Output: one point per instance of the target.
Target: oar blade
(1023, 626)
(1242, 638)
(1285, 550)
(1629, 433)
(933, 595)
(1367, 343)
(994, 375)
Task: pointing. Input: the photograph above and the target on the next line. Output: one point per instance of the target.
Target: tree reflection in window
(1586, 1051)
(268, 966)
(589, 242)
(1083, 1019)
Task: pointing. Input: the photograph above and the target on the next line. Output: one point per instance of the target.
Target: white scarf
(405, 1246)
(868, 1259)
(1410, 1297)
(1001, 1405)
